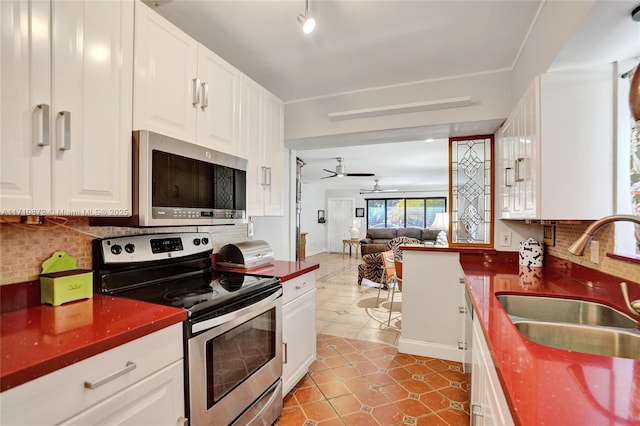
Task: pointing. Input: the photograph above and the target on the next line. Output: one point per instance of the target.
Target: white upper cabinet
(166, 66)
(66, 107)
(556, 148)
(262, 143)
(182, 89)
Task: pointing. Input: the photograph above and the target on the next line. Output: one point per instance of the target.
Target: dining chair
(398, 270)
(389, 272)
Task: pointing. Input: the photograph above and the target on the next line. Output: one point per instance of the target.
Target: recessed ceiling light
(430, 140)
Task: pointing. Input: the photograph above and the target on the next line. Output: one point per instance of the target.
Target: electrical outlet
(505, 239)
(594, 250)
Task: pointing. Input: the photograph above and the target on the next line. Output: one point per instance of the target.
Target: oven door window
(234, 356)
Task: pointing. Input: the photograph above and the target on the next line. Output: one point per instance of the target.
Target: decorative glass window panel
(471, 186)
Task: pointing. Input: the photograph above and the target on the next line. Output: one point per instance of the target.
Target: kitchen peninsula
(538, 384)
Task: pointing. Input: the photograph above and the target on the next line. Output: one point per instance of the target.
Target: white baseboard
(313, 252)
(432, 350)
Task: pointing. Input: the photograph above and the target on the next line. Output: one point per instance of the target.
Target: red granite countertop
(543, 385)
(282, 269)
(37, 340)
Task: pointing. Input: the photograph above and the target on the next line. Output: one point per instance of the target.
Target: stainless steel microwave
(177, 183)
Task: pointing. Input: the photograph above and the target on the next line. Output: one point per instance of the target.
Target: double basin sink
(574, 325)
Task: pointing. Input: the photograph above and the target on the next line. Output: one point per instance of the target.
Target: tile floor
(359, 377)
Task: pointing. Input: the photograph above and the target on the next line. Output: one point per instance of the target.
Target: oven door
(235, 365)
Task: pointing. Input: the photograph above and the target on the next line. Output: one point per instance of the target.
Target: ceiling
(360, 44)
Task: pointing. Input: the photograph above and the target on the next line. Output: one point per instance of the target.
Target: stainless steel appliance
(178, 183)
(233, 335)
(246, 255)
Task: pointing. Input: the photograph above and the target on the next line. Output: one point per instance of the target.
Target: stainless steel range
(233, 336)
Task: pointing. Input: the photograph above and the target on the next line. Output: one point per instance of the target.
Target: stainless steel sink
(580, 338)
(555, 309)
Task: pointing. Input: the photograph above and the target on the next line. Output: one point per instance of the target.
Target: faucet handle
(634, 306)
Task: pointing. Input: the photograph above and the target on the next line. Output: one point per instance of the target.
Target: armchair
(373, 266)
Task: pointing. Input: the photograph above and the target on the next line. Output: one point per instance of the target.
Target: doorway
(340, 213)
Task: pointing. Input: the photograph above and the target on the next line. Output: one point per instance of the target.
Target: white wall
(313, 199)
(556, 22)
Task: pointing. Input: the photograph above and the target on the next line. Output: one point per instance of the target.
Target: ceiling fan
(376, 188)
(340, 171)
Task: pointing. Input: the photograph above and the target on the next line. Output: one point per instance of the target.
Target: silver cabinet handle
(519, 169)
(205, 95)
(299, 287)
(42, 133)
(475, 413)
(196, 92)
(462, 310)
(285, 356)
(64, 139)
(507, 176)
(264, 176)
(130, 366)
(269, 176)
(461, 280)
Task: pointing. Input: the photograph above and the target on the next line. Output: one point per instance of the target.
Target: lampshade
(440, 222)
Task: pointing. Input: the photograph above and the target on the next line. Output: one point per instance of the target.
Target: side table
(350, 244)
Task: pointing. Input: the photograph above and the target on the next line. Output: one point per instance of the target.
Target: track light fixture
(308, 23)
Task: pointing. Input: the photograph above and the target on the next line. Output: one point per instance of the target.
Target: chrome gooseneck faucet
(580, 245)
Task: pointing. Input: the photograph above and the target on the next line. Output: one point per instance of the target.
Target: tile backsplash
(23, 248)
(566, 234)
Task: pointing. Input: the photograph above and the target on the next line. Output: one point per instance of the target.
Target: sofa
(377, 239)
(373, 267)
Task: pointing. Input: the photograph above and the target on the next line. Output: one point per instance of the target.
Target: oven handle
(214, 322)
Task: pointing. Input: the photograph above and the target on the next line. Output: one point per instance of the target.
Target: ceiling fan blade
(360, 174)
(329, 171)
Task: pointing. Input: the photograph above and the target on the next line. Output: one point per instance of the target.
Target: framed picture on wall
(321, 216)
(359, 212)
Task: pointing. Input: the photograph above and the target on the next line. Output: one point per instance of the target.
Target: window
(404, 212)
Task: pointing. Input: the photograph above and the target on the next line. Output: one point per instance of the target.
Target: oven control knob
(129, 248)
(205, 241)
(116, 249)
(196, 241)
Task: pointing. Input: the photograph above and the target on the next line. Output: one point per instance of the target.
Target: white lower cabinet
(139, 383)
(488, 403)
(298, 328)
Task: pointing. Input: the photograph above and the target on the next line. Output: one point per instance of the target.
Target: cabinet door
(165, 85)
(531, 150)
(298, 338)
(92, 45)
(273, 155)
(155, 400)
(219, 103)
(251, 147)
(25, 70)
(505, 170)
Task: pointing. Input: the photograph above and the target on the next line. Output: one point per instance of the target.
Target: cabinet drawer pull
(299, 287)
(205, 95)
(264, 176)
(130, 366)
(64, 136)
(285, 355)
(462, 310)
(196, 92)
(42, 135)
